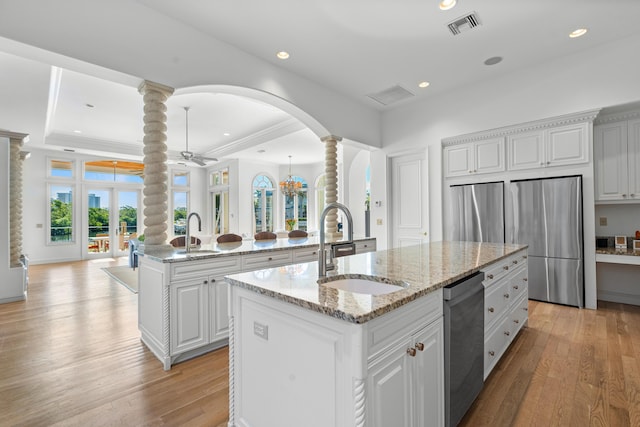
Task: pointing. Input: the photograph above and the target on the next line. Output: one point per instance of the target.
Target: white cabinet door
(189, 315)
(489, 156)
(610, 152)
(429, 375)
(389, 388)
(567, 145)
(458, 160)
(526, 150)
(634, 158)
(218, 309)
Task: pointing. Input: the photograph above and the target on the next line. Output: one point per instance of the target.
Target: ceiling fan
(190, 156)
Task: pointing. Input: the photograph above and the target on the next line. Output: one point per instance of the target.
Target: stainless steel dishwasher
(463, 345)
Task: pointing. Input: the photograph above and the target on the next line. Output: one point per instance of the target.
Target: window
(263, 192)
(61, 168)
(114, 171)
(180, 178)
(320, 190)
(60, 214)
(220, 177)
(220, 209)
(295, 207)
(180, 207)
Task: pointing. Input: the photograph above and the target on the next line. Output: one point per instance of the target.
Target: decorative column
(331, 188)
(16, 157)
(155, 162)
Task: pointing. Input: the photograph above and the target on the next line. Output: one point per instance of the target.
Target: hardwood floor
(71, 356)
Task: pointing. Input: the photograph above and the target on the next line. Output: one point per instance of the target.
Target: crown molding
(617, 117)
(24, 137)
(567, 119)
(93, 144)
(265, 135)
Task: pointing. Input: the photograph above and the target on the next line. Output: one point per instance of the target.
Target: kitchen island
(311, 352)
(183, 297)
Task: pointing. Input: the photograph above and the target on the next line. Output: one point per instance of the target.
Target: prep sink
(364, 286)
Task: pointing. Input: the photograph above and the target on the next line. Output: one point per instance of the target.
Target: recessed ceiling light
(89, 105)
(577, 33)
(77, 131)
(226, 134)
(447, 4)
(423, 84)
(282, 55)
(493, 60)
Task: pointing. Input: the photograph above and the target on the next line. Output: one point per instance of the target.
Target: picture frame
(636, 246)
(621, 242)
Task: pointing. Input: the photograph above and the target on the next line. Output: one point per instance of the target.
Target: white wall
(357, 187)
(622, 220)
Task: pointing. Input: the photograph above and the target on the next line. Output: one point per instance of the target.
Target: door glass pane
(179, 213)
(61, 214)
(98, 201)
(269, 210)
(114, 171)
(62, 168)
(302, 210)
(127, 218)
(220, 210)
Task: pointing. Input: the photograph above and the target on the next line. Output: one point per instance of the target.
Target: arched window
(263, 192)
(295, 207)
(320, 189)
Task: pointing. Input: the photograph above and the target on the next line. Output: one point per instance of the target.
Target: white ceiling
(354, 47)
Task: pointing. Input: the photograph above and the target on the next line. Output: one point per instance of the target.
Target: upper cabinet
(485, 156)
(556, 141)
(556, 146)
(617, 160)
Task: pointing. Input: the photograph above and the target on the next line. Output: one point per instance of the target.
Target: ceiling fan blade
(198, 161)
(211, 159)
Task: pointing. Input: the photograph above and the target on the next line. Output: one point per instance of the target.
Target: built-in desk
(618, 275)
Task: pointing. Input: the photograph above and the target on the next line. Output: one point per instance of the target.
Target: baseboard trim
(619, 297)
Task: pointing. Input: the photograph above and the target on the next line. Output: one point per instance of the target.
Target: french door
(112, 218)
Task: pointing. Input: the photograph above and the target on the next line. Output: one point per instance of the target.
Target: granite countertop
(614, 251)
(422, 269)
(170, 254)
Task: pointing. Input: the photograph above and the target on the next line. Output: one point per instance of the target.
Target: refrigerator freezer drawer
(556, 280)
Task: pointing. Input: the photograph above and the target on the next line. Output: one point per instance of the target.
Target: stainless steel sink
(365, 286)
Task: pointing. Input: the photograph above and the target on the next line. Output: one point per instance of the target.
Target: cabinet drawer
(519, 315)
(496, 300)
(495, 344)
(518, 283)
(221, 265)
(266, 260)
(305, 255)
(494, 272)
(365, 246)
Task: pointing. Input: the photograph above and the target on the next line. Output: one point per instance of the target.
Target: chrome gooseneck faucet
(337, 249)
(187, 238)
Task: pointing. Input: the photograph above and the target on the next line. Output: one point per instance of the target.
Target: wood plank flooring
(71, 356)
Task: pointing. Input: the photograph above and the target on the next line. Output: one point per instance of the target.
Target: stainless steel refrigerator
(477, 212)
(546, 214)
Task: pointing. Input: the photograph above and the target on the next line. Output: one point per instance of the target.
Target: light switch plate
(261, 330)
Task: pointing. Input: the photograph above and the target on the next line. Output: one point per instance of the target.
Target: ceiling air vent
(389, 96)
(463, 23)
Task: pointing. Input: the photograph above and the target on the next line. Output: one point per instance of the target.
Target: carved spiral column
(331, 188)
(15, 200)
(155, 162)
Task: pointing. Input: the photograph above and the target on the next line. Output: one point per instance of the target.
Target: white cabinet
(506, 305)
(189, 315)
(218, 309)
(555, 146)
(617, 161)
(364, 246)
(485, 156)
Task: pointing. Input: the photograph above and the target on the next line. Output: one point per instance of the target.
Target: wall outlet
(261, 330)
(379, 221)
(603, 221)
(39, 226)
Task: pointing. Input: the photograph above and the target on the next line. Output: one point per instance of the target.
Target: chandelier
(289, 186)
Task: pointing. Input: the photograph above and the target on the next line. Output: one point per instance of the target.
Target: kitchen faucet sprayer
(336, 249)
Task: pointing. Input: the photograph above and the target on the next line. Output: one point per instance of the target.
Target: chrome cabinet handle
(411, 352)
(515, 287)
(270, 259)
(632, 195)
(506, 267)
(489, 276)
(506, 295)
(507, 333)
(516, 321)
(491, 310)
(492, 353)
(624, 195)
(524, 279)
(525, 308)
(515, 261)
(204, 282)
(420, 346)
(213, 280)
